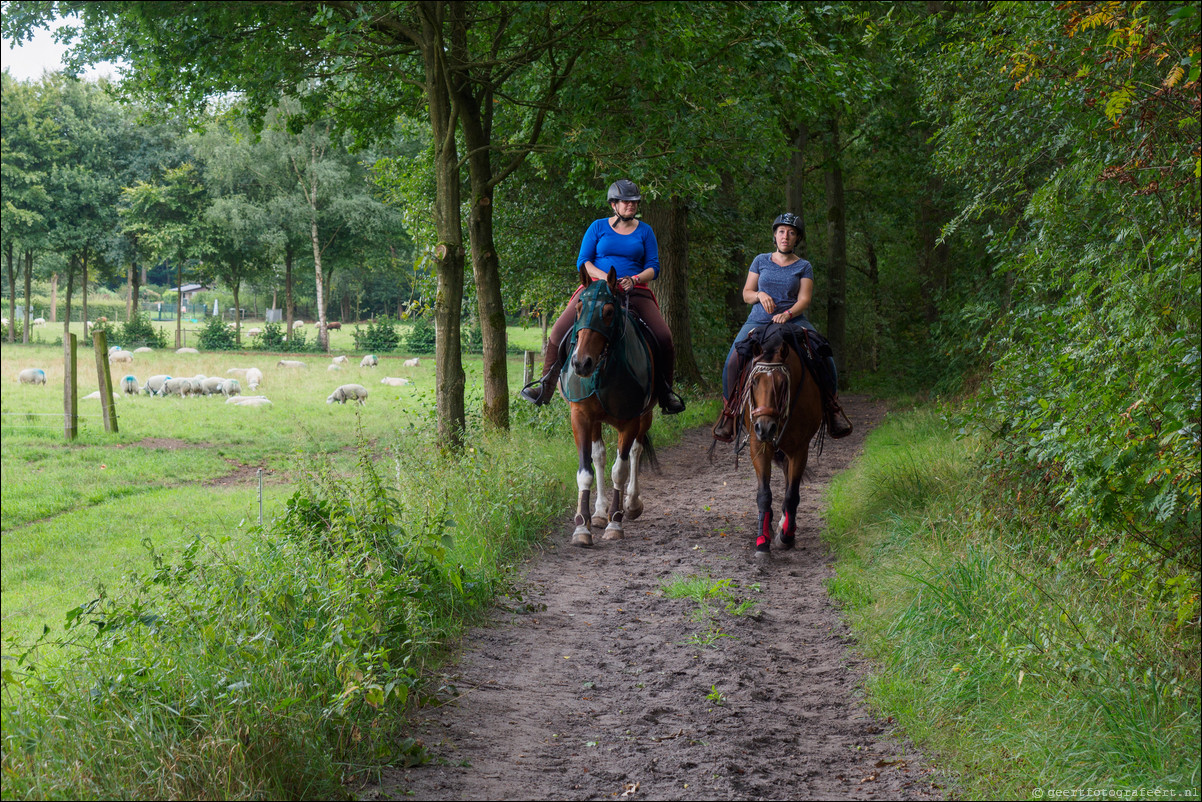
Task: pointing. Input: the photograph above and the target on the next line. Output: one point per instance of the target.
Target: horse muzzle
(766, 426)
(584, 366)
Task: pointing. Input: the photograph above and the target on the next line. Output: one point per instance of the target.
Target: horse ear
(585, 278)
(612, 279)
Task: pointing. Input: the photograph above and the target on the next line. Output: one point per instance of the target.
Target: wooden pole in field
(100, 341)
(527, 367)
(70, 390)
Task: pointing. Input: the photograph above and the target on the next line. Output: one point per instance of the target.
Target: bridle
(781, 399)
(592, 316)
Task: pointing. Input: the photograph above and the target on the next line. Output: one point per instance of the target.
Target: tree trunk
(289, 302)
(737, 263)
(669, 220)
(878, 308)
(84, 293)
(237, 317)
(54, 297)
(486, 266)
(323, 338)
(12, 292)
(28, 292)
(71, 263)
(796, 180)
(448, 252)
(135, 289)
(836, 227)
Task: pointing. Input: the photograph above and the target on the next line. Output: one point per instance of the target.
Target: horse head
(770, 384)
(598, 316)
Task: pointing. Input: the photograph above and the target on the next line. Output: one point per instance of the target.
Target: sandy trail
(595, 685)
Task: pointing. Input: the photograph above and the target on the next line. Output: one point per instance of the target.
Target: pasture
(79, 515)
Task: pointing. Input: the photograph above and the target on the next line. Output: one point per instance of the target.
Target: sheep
(32, 376)
(347, 392)
(296, 324)
(114, 349)
(120, 356)
(249, 401)
(186, 351)
(341, 360)
(391, 382)
(289, 363)
(143, 350)
(212, 385)
(334, 367)
(412, 363)
(154, 385)
(95, 396)
(39, 321)
(180, 387)
(369, 361)
(231, 388)
(129, 385)
(254, 377)
(255, 332)
(236, 371)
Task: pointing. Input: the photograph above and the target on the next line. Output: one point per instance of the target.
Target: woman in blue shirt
(781, 285)
(628, 246)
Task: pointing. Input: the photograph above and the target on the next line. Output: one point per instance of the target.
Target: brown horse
(782, 411)
(609, 379)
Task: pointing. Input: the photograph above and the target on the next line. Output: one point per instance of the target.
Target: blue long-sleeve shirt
(628, 254)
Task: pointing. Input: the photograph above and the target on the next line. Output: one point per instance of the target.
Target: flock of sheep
(231, 387)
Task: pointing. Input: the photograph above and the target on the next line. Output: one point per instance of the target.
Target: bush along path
(668, 665)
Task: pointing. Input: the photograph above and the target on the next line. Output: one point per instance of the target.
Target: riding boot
(724, 429)
(541, 391)
(836, 422)
(669, 402)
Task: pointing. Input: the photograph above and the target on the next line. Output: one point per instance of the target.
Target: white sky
(35, 57)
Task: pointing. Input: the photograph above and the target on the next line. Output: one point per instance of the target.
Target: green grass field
(75, 514)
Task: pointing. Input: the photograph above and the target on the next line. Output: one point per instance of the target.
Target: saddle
(622, 382)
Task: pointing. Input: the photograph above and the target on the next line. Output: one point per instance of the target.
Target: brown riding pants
(643, 302)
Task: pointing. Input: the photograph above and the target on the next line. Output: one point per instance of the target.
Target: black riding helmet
(790, 219)
(623, 189)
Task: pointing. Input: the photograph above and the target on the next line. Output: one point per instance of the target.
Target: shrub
(420, 338)
(472, 339)
(380, 335)
(137, 332)
(18, 327)
(270, 339)
(216, 335)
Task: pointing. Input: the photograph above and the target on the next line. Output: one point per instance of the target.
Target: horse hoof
(634, 511)
(582, 538)
(763, 556)
(613, 534)
(786, 543)
(599, 521)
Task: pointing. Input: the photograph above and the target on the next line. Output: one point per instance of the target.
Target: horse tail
(648, 455)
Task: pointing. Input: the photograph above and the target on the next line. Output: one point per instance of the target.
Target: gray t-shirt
(781, 283)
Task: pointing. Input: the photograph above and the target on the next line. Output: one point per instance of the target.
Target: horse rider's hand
(783, 317)
(626, 284)
(767, 302)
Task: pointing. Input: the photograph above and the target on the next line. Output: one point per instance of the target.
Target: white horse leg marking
(583, 536)
(621, 470)
(601, 507)
(634, 503)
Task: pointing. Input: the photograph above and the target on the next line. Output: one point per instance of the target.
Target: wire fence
(6, 423)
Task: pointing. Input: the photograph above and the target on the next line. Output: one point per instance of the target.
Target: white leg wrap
(601, 507)
(633, 504)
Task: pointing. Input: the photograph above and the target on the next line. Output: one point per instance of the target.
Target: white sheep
(369, 361)
(254, 377)
(186, 351)
(231, 388)
(95, 396)
(412, 363)
(289, 363)
(39, 321)
(114, 349)
(180, 387)
(121, 356)
(341, 360)
(391, 382)
(347, 392)
(129, 385)
(255, 332)
(249, 401)
(333, 367)
(143, 350)
(154, 385)
(32, 376)
(236, 371)
(296, 324)
(212, 385)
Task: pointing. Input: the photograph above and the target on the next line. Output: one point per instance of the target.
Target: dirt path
(596, 681)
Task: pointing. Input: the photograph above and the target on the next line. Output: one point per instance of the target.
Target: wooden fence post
(70, 388)
(527, 367)
(100, 341)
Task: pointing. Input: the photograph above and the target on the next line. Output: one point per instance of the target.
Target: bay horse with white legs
(782, 411)
(609, 378)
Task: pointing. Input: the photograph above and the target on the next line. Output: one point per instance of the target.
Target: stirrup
(670, 403)
(837, 424)
(536, 396)
(724, 429)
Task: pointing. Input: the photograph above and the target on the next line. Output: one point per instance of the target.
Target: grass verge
(999, 644)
